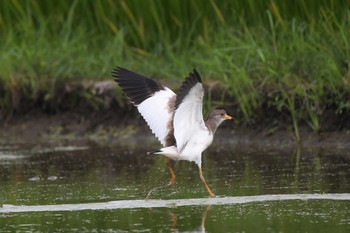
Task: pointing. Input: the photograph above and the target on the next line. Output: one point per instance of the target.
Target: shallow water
(102, 188)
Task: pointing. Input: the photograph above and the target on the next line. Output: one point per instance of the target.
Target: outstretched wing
(154, 102)
(188, 115)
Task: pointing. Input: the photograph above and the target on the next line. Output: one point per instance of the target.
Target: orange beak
(228, 117)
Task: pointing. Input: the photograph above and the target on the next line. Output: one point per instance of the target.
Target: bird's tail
(170, 152)
(154, 152)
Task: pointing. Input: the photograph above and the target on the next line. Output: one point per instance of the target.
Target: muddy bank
(106, 128)
(97, 111)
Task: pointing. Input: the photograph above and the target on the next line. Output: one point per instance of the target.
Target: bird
(176, 120)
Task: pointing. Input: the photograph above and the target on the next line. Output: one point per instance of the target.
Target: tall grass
(293, 56)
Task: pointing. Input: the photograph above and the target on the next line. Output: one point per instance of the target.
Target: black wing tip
(116, 69)
(116, 72)
(192, 79)
(135, 86)
(195, 76)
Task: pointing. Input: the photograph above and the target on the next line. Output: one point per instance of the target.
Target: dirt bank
(109, 129)
(95, 111)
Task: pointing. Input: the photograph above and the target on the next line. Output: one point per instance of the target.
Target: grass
(292, 56)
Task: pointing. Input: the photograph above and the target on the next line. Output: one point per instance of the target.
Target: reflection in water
(67, 187)
(201, 228)
(284, 216)
(117, 173)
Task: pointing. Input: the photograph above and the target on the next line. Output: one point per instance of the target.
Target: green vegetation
(281, 56)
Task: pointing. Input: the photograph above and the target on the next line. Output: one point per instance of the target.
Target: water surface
(71, 188)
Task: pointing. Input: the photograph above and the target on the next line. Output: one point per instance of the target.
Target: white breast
(199, 140)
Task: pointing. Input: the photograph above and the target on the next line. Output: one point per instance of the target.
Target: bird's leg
(204, 217)
(205, 183)
(171, 182)
(172, 179)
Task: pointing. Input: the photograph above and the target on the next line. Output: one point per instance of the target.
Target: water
(92, 188)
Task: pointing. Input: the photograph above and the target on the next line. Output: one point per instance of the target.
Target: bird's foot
(172, 181)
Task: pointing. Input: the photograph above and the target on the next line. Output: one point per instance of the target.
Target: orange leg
(171, 182)
(172, 179)
(205, 183)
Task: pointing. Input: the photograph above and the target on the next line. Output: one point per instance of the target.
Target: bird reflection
(200, 228)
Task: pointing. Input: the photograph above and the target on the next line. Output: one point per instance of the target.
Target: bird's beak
(228, 117)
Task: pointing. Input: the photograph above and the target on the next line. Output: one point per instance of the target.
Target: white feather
(188, 118)
(157, 113)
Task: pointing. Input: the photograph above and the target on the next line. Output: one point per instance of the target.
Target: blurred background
(70, 139)
(269, 62)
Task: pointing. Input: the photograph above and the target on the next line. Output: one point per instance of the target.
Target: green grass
(292, 56)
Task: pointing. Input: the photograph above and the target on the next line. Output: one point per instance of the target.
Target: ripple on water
(152, 203)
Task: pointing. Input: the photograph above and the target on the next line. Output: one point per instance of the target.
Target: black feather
(186, 86)
(136, 87)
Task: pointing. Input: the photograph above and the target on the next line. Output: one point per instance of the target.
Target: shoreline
(97, 112)
(107, 129)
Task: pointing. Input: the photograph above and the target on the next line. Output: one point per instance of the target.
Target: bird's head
(217, 116)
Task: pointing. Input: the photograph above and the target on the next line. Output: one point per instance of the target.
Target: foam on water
(9, 156)
(151, 203)
(60, 149)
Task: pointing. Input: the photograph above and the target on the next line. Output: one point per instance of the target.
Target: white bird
(176, 120)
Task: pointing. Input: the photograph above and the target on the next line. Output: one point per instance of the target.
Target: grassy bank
(284, 57)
